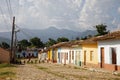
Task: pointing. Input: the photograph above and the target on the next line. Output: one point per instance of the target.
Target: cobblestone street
(47, 71)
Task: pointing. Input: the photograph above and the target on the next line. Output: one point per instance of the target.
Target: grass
(76, 67)
(7, 70)
(42, 68)
(6, 65)
(7, 73)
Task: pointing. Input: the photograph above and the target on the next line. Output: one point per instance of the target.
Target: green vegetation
(50, 42)
(101, 29)
(7, 73)
(7, 70)
(6, 65)
(36, 42)
(4, 45)
(42, 68)
(62, 39)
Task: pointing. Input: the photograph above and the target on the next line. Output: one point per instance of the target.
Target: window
(91, 55)
(72, 54)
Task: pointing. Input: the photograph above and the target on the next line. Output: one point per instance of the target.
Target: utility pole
(15, 42)
(12, 41)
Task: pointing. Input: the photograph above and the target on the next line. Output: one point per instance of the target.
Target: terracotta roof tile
(111, 35)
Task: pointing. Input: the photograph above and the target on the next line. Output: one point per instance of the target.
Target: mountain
(2, 39)
(45, 34)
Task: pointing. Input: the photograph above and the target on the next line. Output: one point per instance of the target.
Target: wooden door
(84, 57)
(102, 57)
(113, 55)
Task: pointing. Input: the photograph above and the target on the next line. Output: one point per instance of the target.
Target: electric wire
(26, 34)
(9, 9)
(4, 19)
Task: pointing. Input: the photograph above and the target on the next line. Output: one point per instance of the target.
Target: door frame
(102, 57)
(84, 57)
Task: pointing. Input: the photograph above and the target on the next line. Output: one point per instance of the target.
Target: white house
(109, 51)
(69, 53)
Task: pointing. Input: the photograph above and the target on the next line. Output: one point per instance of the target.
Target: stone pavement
(47, 71)
(30, 72)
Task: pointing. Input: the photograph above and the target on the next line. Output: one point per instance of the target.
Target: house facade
(4, 56)
(108, 51)
(65, 53)
(76, 52)
(49, 54)
(90, 53)
(42, 55)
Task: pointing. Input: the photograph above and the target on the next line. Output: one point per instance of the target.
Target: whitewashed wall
(107, 44)
(67, 50)
(64, 50)
(76, 49)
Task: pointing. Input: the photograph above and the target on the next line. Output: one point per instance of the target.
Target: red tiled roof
(111, 35)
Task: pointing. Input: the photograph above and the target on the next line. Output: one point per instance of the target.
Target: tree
(77, 38)
(5, 45)
(62, 39)
(84, 38)
(36, 42)
(101, 29)
(50, 42)
(23, 44)
(89, 36)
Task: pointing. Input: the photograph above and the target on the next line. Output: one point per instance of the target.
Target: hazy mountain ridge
(50, 32)
(2, 39)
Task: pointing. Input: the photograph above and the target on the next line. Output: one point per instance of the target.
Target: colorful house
(4, 56)
(52, 53)
(75, 53)
(65, 53)
(42, 55)
(49, 54)
(90, 53)
(61, 52)
(108, 51)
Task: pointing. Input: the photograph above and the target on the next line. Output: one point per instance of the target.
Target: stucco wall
(4, 56)
(107, 44)
(64, 50)
(88, 48)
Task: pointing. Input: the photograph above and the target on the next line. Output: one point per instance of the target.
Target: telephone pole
(12, 54)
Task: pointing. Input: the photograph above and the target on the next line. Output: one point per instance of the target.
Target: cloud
(99, 11)
(70, 14)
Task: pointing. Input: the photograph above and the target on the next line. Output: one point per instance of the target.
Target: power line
(26, 34)
(18, 8)
(3, 16)
(9, 9)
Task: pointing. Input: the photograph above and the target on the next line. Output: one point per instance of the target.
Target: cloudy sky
(78, 15)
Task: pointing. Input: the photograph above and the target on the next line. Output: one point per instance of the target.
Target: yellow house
(52, 53)
(49, 54)
(89, 53)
